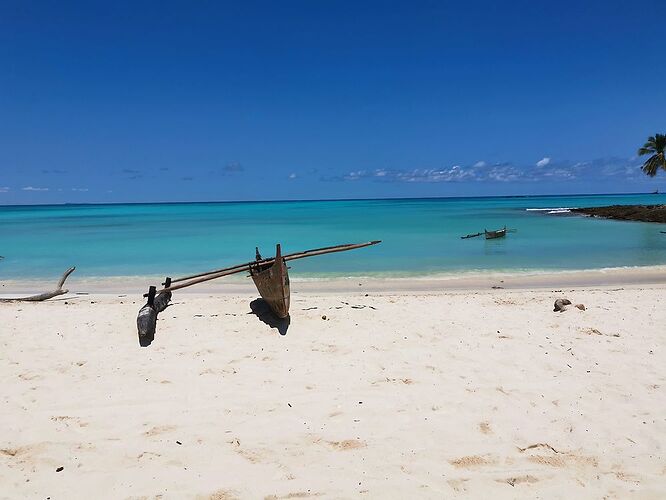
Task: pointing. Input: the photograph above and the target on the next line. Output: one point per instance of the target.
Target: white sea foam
(552, 211)
(548, 209)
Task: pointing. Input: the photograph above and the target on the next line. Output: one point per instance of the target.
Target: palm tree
(655, 147)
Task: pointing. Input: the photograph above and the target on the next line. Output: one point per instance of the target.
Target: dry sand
(394, 395)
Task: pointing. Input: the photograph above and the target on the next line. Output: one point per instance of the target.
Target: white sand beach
(373, 392)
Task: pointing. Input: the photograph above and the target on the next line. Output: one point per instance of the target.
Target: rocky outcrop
(643, 213)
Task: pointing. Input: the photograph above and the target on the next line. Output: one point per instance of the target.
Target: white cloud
(480, 164)
(354, 176)
(292, 176)
(82, 190)
(4, 189)
(455, 173)
(30, 188)
(561, 171)
(543, 162)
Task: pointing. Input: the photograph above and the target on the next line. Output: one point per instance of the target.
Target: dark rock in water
(643, 213)
(560, 305)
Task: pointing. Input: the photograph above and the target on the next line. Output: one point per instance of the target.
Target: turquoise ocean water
(420, 236)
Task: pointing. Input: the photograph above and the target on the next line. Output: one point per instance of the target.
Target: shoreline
(463, 281)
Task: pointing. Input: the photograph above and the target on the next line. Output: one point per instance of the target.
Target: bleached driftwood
(46, 295)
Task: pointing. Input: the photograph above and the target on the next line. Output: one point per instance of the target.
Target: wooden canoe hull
(272, 282)
(491, 235)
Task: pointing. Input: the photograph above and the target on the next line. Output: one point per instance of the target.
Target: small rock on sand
(560, 305)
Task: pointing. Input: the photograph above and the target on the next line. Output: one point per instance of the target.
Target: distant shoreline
(464, 281)
(639, 213)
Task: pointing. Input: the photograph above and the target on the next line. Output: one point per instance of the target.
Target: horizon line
(314, 200)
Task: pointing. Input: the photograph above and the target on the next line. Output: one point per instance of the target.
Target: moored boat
(272, 282)
(499, 233)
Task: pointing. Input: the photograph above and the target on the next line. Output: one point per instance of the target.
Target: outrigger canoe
(272, 282)
(269, 275)
(491, 235)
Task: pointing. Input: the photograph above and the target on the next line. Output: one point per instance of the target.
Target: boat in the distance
(272, 282)
(499, 233)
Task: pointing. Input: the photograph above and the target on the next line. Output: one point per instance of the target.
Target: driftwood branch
(46, 295)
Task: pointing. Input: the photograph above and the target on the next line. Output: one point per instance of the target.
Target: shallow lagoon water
(420, 236)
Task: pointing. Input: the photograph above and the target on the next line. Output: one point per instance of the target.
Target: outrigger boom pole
(219, 273)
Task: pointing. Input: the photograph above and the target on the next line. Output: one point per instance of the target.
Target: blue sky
(188, 101)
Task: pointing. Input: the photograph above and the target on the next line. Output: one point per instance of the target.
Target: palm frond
(653, 164)
(660, 142)
(654, 145)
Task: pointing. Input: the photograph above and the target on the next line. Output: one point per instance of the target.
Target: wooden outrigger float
(468, 236)
(270, 276)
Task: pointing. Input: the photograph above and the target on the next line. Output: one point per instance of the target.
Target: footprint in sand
(67, 420)
(558, 458)
(623, 476)
(347, 444)
(594, 331)
(513, 481)
(23, 454)
(296, 494)
(159, 429)
(219, 495)
(484, 427)
(250, 455)
(472, 461)
(149, 455)
(458, 485)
